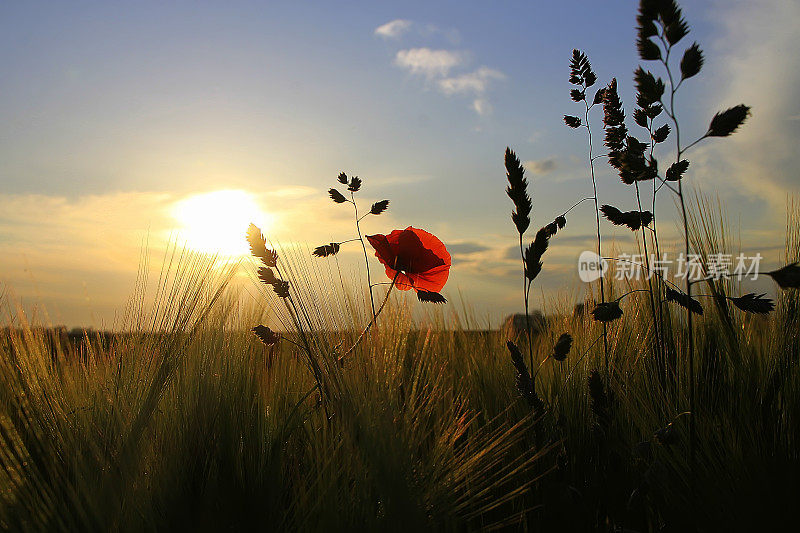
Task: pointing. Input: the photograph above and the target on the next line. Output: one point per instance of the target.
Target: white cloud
(481, 106)
(475, 82)
(393, 29)
(436, 66)
(400, 27)
(541, 166)
(431, 63)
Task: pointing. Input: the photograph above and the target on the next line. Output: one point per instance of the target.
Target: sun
(216, 222)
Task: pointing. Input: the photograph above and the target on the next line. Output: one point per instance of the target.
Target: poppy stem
(374, 319)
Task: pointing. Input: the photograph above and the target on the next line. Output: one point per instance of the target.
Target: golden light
(216, 222)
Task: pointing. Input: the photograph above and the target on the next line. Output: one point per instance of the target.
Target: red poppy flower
(421, 259)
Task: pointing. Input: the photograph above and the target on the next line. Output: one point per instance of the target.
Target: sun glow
(216, 222)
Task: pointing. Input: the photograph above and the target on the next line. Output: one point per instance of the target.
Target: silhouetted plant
(583, 77)
(753, 303)
(266, 335)
(684, 300)
(787, 277)
(281, 287)
(562, 347)
(525, 383)
(353, 185)
(531, 256)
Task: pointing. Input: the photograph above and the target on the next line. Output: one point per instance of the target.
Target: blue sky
(111, 113)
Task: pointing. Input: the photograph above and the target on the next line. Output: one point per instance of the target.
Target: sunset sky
(117, 117)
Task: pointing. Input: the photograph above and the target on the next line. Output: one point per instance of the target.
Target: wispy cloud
(438, 65)
(541, 166)
(475, 82)
(435, 65)
(393, 29)
(482, 106)
(466, 248)
(430, 63)
(397, 28)
(760, 161)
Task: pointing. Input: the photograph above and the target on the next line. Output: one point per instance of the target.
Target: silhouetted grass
(183, 423)
(191, 421)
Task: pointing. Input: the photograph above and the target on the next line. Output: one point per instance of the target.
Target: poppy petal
(383, 250)
(430, 281)
(432, 243)
(413, 255)
(422, 259)
(403, 282)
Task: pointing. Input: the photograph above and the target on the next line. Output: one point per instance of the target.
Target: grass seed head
(326, 249)
(562, 347)
(258, 246)
(787, 277)
(336, 196)
(517, 190)
(753, 303)
(684, 300)
(266, 335)
(607, 311)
